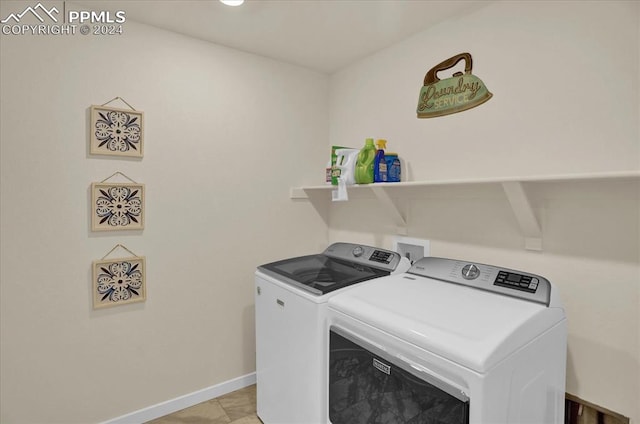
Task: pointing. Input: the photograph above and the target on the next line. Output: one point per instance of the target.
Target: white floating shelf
(513, 188)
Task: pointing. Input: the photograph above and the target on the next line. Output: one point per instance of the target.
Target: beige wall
(565, 81)
(226, 134)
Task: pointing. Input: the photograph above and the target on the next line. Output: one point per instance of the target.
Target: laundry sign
(451, 95)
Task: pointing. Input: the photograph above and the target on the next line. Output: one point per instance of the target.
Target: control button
(470, 272)
(357, 251)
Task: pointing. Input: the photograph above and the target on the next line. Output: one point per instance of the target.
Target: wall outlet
(411, 248)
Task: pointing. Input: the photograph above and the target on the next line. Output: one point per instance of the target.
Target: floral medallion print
(119, 282)
(116, 131)
(118, 207)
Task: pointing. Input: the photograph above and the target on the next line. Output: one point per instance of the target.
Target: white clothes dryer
(448, 342)
(291, 301)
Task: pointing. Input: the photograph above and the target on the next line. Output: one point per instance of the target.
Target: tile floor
(237, 407)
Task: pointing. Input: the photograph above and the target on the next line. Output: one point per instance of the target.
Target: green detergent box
(335, 172)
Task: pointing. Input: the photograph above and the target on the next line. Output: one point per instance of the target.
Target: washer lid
(472, 327)
(320, 274)
(340, 265)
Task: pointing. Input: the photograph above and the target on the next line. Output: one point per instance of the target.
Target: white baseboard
(184, 401)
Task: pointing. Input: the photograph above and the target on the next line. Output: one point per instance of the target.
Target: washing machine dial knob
(357, 251)
(470, 272)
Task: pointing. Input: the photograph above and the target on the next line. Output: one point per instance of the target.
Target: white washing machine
(291, 350)
(448, 342)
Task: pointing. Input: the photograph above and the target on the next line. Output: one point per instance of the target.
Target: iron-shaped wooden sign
(460, 92)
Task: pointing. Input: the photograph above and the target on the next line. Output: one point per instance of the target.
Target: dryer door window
(365, 387)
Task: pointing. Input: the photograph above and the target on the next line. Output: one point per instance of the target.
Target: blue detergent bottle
(379, 163)
(394, 170)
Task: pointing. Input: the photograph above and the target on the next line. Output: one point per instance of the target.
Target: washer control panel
(381, 256)
(365, 255)
(502, 281)
(517, 281)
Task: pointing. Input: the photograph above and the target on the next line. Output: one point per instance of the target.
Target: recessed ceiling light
(232, 2)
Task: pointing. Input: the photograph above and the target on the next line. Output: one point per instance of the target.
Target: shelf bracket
(391, 208)
(524, 214)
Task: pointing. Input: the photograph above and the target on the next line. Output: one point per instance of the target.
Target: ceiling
(324, 35)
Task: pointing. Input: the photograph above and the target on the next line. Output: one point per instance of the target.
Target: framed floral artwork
(117, 206)
(116, 132)
(119, 281)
